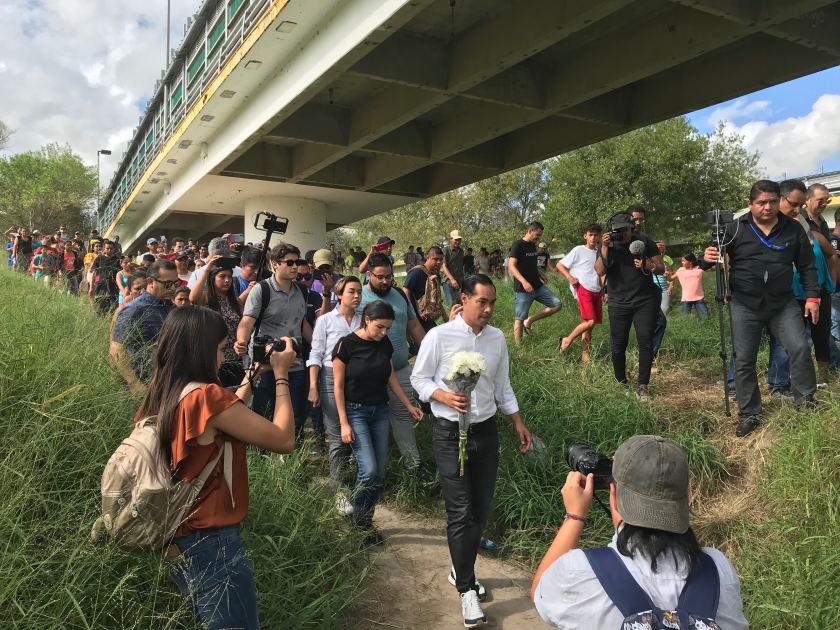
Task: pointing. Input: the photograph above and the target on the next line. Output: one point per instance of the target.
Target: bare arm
(394, 384)
(446, 272)
(416, 330)
(243, 334)
(564, 271)
(339, 368)
(198, 294)
(514, 271)
(243, 297)
(364, 264)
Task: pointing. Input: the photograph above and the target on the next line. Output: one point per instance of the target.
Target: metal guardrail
(220, 28)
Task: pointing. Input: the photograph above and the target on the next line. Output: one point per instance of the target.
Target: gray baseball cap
(651, 478)
(219, 247)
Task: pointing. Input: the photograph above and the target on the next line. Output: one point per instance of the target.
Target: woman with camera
(653, 569)
(630, 261)
(362, 373)
(214, 288)
(209, 563)
(329, 330)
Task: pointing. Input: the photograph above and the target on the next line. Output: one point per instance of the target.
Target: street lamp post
(98, 153)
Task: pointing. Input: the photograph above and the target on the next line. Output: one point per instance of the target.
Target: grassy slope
(62, 414)
(770, 501)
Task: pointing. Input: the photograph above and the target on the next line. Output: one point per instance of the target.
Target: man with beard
(380, 277)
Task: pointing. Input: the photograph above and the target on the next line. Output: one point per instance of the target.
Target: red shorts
(591, 304)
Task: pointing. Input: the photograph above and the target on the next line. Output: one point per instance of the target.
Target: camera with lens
(615, 237)
(585, 460)
(718, 221)
(264, 345)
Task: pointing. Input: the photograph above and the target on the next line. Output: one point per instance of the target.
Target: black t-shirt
(627, 285)
(105, 275)
(368, 368)
(469, 265)
(525, 253)
(415, 281)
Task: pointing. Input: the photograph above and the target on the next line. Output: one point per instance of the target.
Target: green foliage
(44, 189)
(5, 132)
(671, 169)
(64, 411)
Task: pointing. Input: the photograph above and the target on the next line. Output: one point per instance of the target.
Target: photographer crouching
(653, 570)
(629, 262)
(763, 247)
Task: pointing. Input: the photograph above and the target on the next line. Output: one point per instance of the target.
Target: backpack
(142, 503)
(696, 608)
(430, 306)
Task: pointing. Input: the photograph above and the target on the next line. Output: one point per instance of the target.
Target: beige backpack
(142, 504)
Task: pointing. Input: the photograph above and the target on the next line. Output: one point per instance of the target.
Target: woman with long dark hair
(214, 288)
(362, 373)
(209, 561)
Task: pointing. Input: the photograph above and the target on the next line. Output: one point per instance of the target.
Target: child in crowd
(690, 277)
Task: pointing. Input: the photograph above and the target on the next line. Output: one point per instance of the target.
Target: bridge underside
(436, 97)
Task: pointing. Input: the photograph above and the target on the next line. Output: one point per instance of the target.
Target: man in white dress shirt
(468, 498)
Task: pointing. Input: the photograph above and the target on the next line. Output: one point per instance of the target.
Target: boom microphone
(637, 248)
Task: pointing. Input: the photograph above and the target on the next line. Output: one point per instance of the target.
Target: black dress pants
(467, 498)
(643, 319)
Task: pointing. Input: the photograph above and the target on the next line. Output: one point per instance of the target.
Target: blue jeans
(659, 332)
(700, 305)
(523, 301)
(370, 424)
(215, 574)
(834, 352)
(265, 393)
(452, 295)
(778, 368)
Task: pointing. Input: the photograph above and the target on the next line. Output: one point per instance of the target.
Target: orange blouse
(213, 508)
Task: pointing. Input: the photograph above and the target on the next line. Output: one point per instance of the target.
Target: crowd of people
(336, 341)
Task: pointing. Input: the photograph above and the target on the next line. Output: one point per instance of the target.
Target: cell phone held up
(381, 247)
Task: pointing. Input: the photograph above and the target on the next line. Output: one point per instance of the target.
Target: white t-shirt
(581, 264)
(570, 596)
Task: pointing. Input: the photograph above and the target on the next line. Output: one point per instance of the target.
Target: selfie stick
(271, 225)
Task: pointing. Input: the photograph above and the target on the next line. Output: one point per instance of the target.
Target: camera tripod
(719, 220)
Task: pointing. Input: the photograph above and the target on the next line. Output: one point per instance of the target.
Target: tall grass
(62, 413)
(787, 552)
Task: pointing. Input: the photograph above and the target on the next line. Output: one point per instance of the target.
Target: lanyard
(771, 242)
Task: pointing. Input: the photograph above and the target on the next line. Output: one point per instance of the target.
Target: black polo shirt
(761, 273)
(818, 226)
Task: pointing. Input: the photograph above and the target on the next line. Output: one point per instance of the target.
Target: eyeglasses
(799, 206)
(304, 277)
(167, 284)
(384, 278)
(289, 263)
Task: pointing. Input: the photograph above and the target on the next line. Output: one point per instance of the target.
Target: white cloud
(74, 71)
(795, 146)
(740, 109)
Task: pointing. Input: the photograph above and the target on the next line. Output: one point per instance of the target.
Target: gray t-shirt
(284, 314)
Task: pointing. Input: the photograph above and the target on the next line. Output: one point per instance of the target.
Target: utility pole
(168, 12)
(98, 153)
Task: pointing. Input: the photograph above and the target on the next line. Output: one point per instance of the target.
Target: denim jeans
(467, 498)
(213, 571)
(265, 394)
(370, 426)
(787, 325)
(452, 295)
(403, 426)
(339, 452)
(778, 368)
(699, 305)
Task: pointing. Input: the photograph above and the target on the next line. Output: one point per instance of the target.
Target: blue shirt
(399, 330)
(137, 328)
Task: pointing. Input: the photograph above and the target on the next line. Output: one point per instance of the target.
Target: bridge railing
(219, 30)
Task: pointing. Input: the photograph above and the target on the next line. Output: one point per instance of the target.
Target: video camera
(584, 459)
(265, 345)
(718, 221)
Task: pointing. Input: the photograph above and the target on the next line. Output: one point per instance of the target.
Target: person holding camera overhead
(654, 566)
(215, 289)
(629, 262)
(276, 307)
(362, 373)
(197, 418)
(763, 247)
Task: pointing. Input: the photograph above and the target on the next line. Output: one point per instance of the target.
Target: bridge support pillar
(307, 221)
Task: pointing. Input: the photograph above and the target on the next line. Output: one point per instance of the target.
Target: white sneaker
(482, 592)
(342, 505)
(471, 609)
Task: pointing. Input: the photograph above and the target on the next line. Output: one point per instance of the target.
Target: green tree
(5, 132)
(677, 173)
(44, 189)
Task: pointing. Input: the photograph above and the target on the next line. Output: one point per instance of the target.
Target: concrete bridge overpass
(327, 111)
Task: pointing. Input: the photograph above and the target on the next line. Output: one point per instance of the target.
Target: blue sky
(795, 126)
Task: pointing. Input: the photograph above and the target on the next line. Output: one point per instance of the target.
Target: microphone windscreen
(637, 248)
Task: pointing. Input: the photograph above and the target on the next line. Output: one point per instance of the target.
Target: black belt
(475, 427)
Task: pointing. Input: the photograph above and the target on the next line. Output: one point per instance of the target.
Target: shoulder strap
(701, 594)
(408, 303)
(265, 295)
(617, 581)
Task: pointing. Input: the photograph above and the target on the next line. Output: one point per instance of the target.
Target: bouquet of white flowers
(464, 371)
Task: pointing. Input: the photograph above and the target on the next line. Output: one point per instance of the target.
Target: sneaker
(809, 404)
(482, 592)
(471, 609)
(822, 385)
(782, 394)
(343, 506)
(746, 425)
(488, 545)
(643, 395)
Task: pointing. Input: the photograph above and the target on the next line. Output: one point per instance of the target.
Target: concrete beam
(315, 122)
(407, 59)
(817, 30)
(599, 68)
(262, 161)
(476, 56)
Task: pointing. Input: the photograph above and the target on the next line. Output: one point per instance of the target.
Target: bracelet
(812, 300)
(574, 517)
(282, 381)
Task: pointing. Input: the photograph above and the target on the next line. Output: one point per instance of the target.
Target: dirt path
(411, 588)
